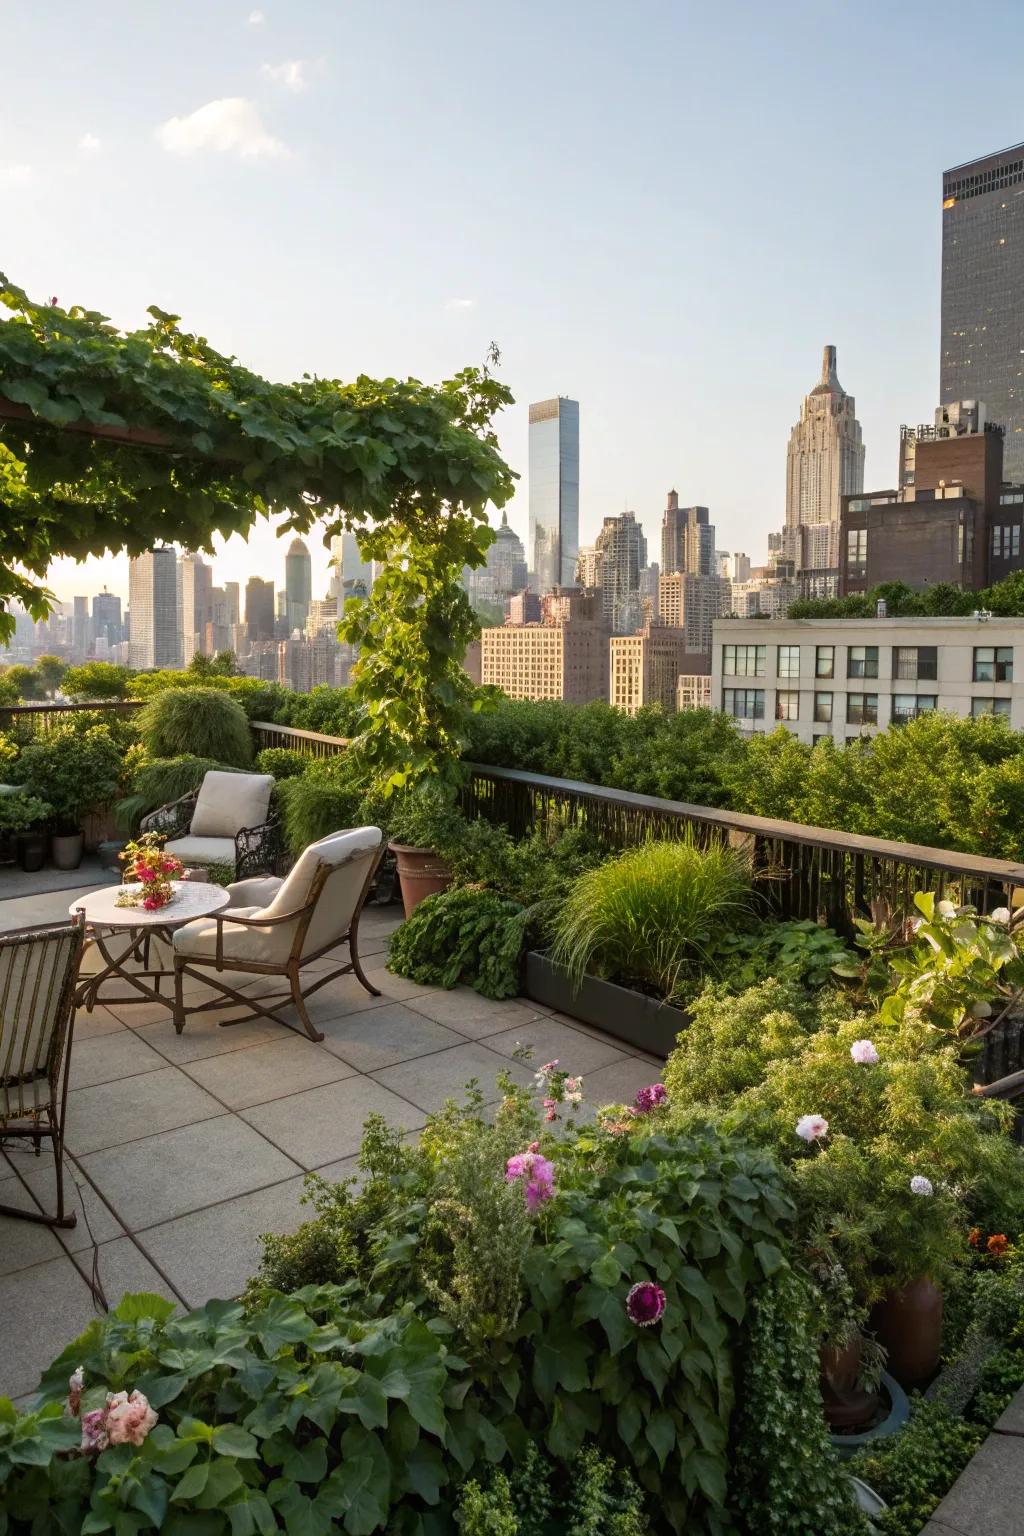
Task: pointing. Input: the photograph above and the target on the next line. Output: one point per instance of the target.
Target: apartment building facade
(851, 677)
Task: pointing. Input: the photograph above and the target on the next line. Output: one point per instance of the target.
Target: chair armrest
(173, 819)
(257, 849)
(257, 892)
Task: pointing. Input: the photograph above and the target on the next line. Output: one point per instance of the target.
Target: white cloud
(230, 126)
(255, 19)
(291, 74)
(12, 175)
(89, 144)
(461, 304)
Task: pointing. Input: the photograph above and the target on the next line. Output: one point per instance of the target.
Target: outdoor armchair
(227, 820)
(274, 927)
(38, 969)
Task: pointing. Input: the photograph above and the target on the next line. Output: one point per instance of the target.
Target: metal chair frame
(290, 968)
(45, 1116)
(257, 849)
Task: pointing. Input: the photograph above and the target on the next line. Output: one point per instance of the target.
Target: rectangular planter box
(630, 1016)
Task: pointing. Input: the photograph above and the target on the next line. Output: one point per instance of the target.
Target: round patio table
(104, 919)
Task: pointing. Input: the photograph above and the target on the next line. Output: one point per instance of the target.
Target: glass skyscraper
(554, 533)
(983, 294)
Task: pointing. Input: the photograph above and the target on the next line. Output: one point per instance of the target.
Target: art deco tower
(826, 452)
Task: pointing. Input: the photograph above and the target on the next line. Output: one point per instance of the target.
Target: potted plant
(23, 821)
(74, 772)
(421, 825)
(632, 932)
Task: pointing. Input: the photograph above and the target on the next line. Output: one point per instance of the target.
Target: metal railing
(44, 717)
(813, 872)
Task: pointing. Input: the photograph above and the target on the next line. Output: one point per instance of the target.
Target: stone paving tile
(272, 1070)
(338, 998)
(213, 1252)
(89, 1025)
(123, 1267)
(989, 1493)
(574, 1051)
(400, 988)
(43, 1309)
(600, 1034)
(1011, 1420)
(618, 1083)
(79, 1196)
(325, 1124)
(204, 1036)
(23, 1243)
(185, 1169)
(473, 1015)
(108, 1057)
(111, 1114)
(430, 1080)
(380, 1037)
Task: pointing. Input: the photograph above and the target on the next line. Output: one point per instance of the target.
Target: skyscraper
(554, 468)
(505, 571)
(687, 539)
(825, 461)
(982, 350)
(351, 575)
(623, 551)
(81, 634)
(154, 614)
(259, 609)
(106, 617)
(196, 604)
(298, 585)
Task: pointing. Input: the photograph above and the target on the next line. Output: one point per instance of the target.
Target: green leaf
(661, 1433)
(193, 1482)
(425, 1471)
(233, 1440)
(606, 1270)
(142, 1305)
(561, 1365)
(354, 1489)
(25, 392)
(224, 1480)
(306, 1463)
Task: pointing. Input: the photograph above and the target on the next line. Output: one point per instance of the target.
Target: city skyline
(666, 301)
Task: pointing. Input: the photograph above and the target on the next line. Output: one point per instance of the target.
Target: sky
(663, 209)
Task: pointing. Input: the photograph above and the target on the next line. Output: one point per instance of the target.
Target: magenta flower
(645, 1303)
(537, 1174)
(650, 1098)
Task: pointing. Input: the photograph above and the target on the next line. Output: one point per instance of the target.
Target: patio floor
(183, 1149)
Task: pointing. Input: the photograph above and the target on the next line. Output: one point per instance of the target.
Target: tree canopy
(114, 440)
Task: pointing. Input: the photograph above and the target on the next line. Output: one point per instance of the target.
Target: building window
(862, 661)
(744, 703)
(744, 660)
(915, 663)
(907, 706)
(820, 736)
(823, 708)
(789, 661)
(862, 709)
(787, 704)
(857, 552)
(993, 663)
(824, 660)
(990, 707)
(1006, 541)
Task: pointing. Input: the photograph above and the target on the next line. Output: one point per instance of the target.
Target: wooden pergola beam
(131, 437)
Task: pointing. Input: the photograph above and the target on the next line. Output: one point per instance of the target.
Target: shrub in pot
(421, 825)
(74, 772)
(23, 819)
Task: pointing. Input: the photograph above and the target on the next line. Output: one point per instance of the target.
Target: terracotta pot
(908, 1323)
(846, 1404)
(66, 849)
(421, 873)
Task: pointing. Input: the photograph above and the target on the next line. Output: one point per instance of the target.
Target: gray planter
(631, 1016)
(66, 849)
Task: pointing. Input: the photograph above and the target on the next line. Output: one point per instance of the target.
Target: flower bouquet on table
(150, 872)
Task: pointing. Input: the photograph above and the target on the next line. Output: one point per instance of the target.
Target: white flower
(946, 909)
(1000, 915)
(864, 1053)
(812, 1127)
(574, 1099)
(919, 1185)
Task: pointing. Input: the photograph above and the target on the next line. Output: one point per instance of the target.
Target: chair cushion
(228, 802)
(257, 892)
(199, 938)
(202, 850)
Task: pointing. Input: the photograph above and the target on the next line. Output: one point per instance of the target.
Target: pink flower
(94, 1430)
(650, 1098)
(152, 903)
(864, 1053)
(144, 874)
(645, 1303)
(538, 1177)
(812, 1127)
(76, 1382)
(549, 1066)
(129, 1419)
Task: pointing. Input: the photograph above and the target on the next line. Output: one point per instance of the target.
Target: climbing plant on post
(114, 440)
